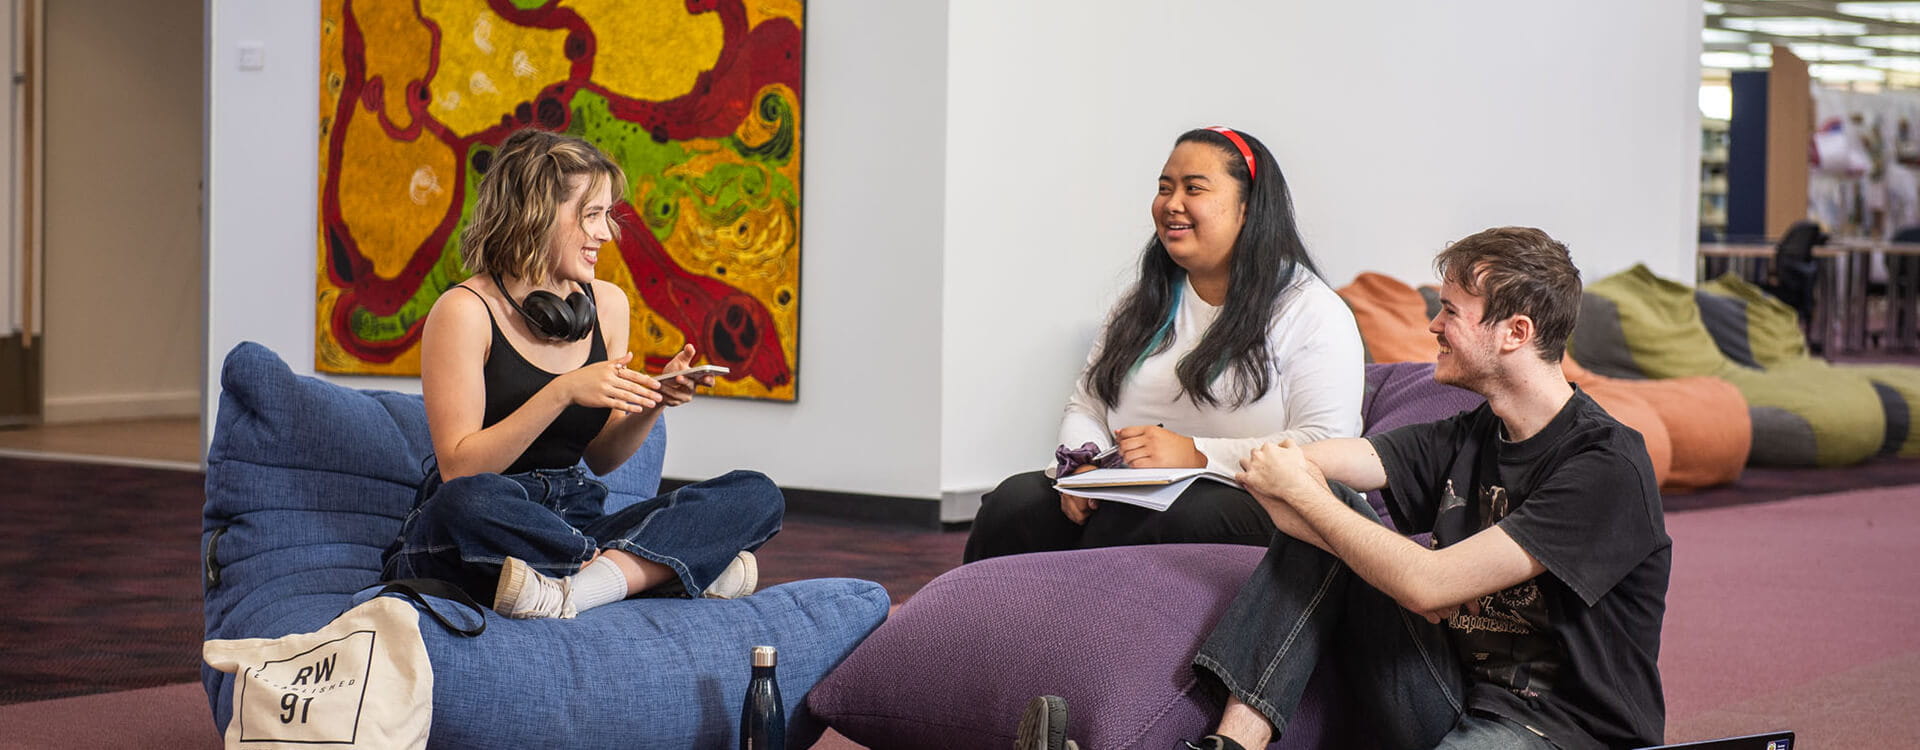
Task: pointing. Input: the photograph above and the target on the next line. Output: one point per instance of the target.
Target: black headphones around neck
(552, 318)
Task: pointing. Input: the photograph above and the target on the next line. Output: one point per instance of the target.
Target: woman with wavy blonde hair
(525, 372)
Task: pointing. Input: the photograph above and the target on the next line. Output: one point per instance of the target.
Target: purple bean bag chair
(1111, 630)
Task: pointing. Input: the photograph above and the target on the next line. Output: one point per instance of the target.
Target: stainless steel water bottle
(763, 723)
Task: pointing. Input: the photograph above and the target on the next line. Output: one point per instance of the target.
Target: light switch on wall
(253, 56)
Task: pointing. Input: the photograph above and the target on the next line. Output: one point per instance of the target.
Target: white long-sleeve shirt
(1317, 376)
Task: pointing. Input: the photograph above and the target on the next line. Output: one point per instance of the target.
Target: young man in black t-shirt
(1532, 620)
(1533, 614)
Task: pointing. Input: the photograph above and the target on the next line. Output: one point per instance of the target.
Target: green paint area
(529, 4)
(447, 271)
(657, 170)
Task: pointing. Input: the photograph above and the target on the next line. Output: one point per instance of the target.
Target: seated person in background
(1534, 621)
(1229, 340)
(524, 372)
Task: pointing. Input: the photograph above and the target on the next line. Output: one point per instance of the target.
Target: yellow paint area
(487, 65)
(650, 49)
(332, 74)
(397, 46)
(761, 10)
(401, 191)
(752, 250)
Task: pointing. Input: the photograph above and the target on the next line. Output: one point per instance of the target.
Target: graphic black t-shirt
(1571, 653)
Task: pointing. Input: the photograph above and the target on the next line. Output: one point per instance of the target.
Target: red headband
(1240, 143)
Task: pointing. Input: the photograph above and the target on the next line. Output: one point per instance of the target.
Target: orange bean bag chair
(1626, 404)
(1392, 318)
(1705, 419)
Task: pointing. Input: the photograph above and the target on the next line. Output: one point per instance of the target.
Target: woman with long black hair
(1229, 340)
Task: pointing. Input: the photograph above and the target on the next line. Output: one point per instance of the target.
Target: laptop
(1763, 741)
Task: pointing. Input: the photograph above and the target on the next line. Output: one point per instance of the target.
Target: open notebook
(1147, 488)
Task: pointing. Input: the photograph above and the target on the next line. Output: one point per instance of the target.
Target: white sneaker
(524, 593)
(1043, 726)
(738, 580)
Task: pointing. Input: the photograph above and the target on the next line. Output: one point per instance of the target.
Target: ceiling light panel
(1723, 36)
(1907, 64)
(1904, 43)
(1828, 52)
(1885, 11)
(1733, 61)
(1795, 26)
(1843, 73)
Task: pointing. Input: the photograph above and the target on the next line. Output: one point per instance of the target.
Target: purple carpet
(1800, 615)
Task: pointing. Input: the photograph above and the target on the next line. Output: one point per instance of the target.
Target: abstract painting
(698, 100)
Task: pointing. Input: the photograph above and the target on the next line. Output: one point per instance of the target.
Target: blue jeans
(554, 519)
(1302, 602)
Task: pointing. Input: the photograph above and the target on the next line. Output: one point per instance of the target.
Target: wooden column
(1789, 136)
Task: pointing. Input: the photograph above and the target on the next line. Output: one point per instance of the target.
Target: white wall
(978, 173)
(122, 209)
(866, 420)
(262, 215)
(875, 129)
(1400, 126)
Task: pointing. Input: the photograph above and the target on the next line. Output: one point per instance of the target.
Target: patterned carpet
(104, 564)
(107, 560)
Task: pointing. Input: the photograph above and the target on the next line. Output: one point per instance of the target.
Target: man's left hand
(1280, 470)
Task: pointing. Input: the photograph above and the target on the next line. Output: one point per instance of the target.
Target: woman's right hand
(611, 385)
(1077, 508)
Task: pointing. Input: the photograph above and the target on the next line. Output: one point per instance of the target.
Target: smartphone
(692, 372)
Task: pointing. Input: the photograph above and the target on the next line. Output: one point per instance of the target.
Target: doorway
(111, 313)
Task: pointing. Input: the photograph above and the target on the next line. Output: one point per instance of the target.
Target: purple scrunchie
(1067, 459)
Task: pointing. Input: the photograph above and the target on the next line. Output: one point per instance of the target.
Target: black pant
(1023, 515)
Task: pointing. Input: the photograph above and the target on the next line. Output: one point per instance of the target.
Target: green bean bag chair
(1634, 324)
(1757, 328)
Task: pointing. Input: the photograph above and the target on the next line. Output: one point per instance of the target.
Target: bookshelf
(1713, 177)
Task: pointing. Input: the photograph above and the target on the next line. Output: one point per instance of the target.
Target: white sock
(602, 582)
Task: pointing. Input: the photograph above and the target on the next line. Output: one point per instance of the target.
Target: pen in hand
(1102, 455)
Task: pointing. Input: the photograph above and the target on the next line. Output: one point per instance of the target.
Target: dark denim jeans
(554, 519)
(1301, 602)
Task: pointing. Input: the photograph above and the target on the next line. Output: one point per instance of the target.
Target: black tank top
(511, 380)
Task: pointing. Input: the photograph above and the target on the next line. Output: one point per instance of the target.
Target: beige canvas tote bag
(364, 680)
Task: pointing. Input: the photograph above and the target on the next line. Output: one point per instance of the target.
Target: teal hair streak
(1153, 344)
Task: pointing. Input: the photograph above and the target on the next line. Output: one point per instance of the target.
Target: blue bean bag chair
(307, 483)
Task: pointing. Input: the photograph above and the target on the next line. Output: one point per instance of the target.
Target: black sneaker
(1044, 726)
(1214, 742)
